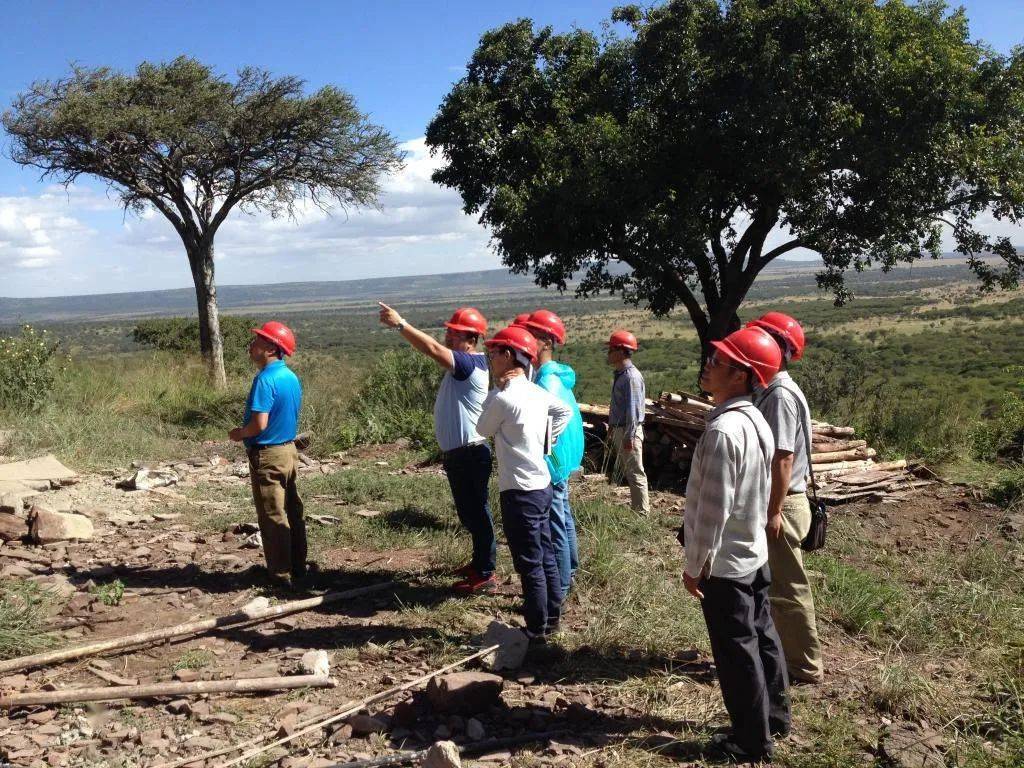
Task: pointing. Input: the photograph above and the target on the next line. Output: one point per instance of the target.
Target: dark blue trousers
(748, 656)
(527, 523)
(469, 471)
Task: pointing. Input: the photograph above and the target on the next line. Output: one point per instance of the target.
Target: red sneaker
(465, 571)
(475, 583)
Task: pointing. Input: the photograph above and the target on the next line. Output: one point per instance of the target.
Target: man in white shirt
(727, 550)
(524, 421)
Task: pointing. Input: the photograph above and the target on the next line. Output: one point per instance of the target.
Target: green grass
(24, 609)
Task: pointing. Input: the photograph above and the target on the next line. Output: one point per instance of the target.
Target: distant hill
(461, 286)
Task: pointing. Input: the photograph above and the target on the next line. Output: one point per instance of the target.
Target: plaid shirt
(727, 493)
(628, 399)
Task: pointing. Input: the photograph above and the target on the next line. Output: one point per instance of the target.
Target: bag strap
(764, 457)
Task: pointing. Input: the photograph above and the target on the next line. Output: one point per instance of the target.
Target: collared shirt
(727, 493)
(459, 401)
(275, 391)
(524, 420)
(628, 399)
(785, 408)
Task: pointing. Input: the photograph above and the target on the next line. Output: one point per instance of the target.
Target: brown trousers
(790, 591)
(273, 471)
(630, 466)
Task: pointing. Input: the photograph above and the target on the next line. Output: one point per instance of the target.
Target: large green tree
(706, 139)
(194, 145)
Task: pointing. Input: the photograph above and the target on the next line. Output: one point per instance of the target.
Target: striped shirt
(727, 493)
(628, 399)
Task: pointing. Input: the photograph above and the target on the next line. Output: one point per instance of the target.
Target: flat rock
(475, 730)
(513, 644)
(464, 692)
(146, 479)
(443, 754)
(911, 747)
(48, 526)
(315, 663)
(12, 525)
(42, 468)
(364, 725)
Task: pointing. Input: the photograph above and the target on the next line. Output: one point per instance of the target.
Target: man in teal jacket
(559, 379)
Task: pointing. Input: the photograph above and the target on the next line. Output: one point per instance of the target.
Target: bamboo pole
(154, 690)
(346, 711)
(180, 630)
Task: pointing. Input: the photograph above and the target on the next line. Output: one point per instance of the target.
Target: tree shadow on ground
(412, 517)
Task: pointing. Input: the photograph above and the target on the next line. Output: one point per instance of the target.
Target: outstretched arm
(420, 341)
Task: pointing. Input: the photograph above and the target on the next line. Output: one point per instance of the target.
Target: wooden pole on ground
(309, 726)
(153, 636)
(154, 690)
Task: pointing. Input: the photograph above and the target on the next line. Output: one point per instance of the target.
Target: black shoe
(722, 744)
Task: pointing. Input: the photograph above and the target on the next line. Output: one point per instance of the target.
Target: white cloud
(93, 247)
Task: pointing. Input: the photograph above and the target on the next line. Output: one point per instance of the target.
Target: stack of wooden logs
(844, 466)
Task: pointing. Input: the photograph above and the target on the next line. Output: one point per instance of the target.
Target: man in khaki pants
(789, 512)
(271, 420)
(626, 419)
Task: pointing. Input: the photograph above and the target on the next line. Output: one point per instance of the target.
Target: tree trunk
(211, 344)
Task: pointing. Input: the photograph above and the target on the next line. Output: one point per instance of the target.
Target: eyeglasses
(714, 361)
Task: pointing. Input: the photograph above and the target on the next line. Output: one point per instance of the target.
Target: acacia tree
(194, 145)
(713, 137)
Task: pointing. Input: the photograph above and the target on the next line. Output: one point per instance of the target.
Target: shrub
(28, 367)
(900, 425)
(181, 334)
(395, 400)
(1002, 436)
(832, 379)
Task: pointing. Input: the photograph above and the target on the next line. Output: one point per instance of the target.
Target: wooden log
(835, 465)
(837, 445)
(832, 456)
(154, 636)
(311, 726)
(155, 690)
(829, 430)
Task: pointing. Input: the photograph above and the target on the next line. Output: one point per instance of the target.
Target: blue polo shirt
(460, 398)
(275, 391)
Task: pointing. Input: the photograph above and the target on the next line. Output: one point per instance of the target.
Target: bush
(898, 424)
(1001, 437)
(395, 400)
(28, 367)
(24, 607)
(181, 334)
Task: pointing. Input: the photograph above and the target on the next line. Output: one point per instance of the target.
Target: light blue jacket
(559, 379)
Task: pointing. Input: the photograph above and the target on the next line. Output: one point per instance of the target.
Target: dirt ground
(171, 572)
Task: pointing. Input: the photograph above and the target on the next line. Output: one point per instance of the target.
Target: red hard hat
(753, 348)
(468, 320)
(279, 334)
(515, 337)
(786, 328)
(521, 319)
(546, 321)
(623, 339)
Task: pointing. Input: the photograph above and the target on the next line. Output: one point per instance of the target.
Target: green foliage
(23, 611)
(395, 400)
(28, 366)
(181, 334)
(111, 593)
(1001, 437)
(193, 659)
(856, 124)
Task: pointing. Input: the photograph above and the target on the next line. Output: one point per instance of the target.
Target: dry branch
(151, 637)
(154, 690)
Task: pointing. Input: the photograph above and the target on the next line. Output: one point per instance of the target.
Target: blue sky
(398, 58)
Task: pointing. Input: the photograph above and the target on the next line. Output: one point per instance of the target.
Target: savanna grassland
(920, 604)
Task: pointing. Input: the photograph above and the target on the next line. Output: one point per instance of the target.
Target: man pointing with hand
(466, 455)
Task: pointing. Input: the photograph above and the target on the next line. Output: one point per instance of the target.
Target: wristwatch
(400, 326)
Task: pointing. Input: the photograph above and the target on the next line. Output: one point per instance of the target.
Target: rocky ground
(154, 559)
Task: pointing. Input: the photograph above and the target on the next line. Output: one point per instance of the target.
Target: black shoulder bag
(817, 533)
